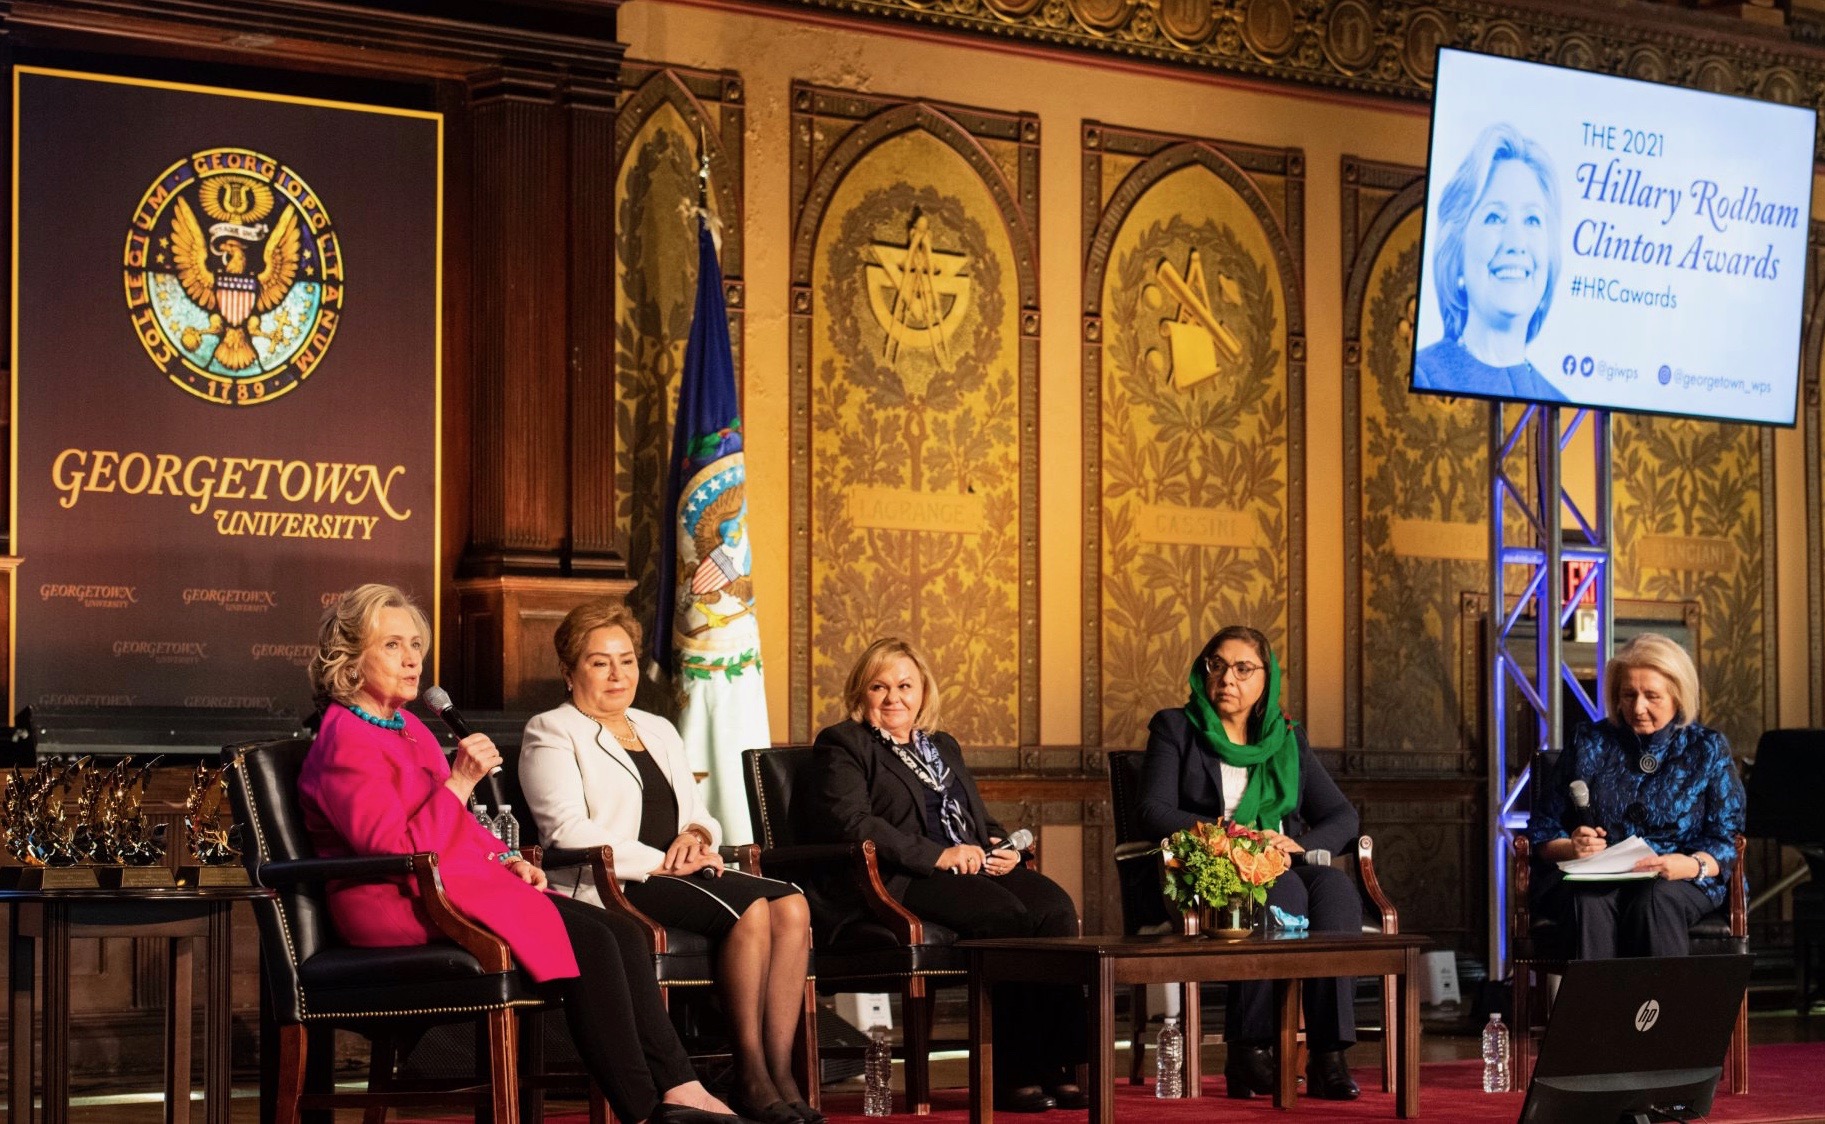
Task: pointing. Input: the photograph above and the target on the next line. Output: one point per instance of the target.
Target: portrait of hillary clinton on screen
(1496, 233)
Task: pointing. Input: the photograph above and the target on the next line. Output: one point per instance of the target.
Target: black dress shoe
(805, 1112)
(1069, 1095)
(779, 1112)
(1249, 1071)
(667, 1113)
(1026, 1098)
(1327, 1075)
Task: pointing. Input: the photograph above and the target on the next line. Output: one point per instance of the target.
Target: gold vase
(1231, 921)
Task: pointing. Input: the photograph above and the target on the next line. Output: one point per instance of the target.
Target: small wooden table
(1106, 963)
(180, 915)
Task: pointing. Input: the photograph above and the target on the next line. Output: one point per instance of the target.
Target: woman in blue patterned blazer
(1651, 771)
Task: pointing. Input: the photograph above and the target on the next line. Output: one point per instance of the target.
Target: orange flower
(1256, 868)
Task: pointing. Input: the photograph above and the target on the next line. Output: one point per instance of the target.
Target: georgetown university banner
(225, 383)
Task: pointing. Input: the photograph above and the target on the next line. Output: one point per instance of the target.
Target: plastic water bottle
(1495, 1055)
(480, 812)
(1169, 1069)
(507, 829)
(877, 1074)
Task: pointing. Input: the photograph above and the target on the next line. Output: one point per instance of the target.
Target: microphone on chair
(1018, 840)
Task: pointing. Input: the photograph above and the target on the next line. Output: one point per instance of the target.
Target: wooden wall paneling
(592, 545)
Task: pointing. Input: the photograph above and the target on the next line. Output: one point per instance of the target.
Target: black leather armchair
(1540, 949)
(866, 941)
(314, 981)
(1137, 867)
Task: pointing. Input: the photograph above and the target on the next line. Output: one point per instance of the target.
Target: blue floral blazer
(1692, 802)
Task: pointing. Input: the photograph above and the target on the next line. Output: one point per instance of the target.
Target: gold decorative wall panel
(665, 114)
(1382, 48)
(1692, 523)
(1416, 487)
(1194, 414)
(915, 325)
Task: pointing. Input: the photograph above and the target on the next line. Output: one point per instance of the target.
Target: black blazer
(864, 791)
(1182, 785)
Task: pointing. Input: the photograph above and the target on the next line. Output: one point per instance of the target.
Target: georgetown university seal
(233, 276)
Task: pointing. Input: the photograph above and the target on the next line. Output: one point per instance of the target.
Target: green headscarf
(1272, 760)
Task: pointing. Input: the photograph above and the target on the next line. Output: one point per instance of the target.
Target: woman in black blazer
(887, 774)
(1230, 753)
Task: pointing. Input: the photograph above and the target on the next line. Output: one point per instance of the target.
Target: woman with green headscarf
(1231, 753)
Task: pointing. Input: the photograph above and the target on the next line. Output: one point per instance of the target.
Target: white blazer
(584, 790)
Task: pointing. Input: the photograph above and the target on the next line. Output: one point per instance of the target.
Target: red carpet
(1786, 1082)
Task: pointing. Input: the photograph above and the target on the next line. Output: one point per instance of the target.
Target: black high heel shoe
(1327, 1076)
(1249, 1071)
(805, 1112)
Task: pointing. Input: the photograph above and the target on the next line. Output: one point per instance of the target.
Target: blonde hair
(573, 635)
(1654, 652)
(342, 635)
(877, 656)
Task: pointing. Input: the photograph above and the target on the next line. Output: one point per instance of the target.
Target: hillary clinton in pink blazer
(376, 782)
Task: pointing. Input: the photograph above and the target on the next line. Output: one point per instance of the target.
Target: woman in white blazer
(597, 771)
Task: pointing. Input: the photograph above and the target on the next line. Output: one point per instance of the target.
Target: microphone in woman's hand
(1581, 804)
(438, 699)
(1017, 841)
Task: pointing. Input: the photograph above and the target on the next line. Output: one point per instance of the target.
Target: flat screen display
(1599, 241)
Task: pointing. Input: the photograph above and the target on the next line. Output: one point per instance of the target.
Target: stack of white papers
(1612, 864)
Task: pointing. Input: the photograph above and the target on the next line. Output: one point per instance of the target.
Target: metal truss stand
(1529, 537)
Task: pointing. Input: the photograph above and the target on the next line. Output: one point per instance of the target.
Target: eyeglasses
(1216, 669)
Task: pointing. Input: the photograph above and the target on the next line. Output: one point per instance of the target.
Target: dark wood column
(589, 111)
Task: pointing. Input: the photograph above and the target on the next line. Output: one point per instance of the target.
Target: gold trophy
(216, 860)
(39, 834)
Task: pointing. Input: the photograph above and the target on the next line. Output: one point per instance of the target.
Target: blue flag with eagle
(706, 629)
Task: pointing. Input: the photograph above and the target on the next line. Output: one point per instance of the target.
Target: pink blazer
(369, 791)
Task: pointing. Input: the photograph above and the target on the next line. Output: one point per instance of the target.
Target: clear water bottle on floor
(1495, 1055)
(1169, 1069)
(877, 1074)
(507, 829)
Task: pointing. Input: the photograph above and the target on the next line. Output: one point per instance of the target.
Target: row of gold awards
(82, 824)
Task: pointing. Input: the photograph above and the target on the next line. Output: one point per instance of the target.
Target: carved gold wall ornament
(1387, 49)
(918, 294)
(914, 350)
(1199, 340)
(1812, 411)
(1193, 484)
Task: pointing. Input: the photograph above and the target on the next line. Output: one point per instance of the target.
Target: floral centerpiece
(1223, 868)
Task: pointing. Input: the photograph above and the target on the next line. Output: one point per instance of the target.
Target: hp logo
(1647, 1016)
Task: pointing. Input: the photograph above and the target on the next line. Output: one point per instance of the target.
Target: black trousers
(619, 1024)
(1328, 897)
(1039, 1029)
(1605, 920)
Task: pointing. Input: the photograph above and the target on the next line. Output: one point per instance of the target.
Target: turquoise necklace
(397, 723)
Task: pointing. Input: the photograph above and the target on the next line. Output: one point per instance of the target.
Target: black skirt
(709, 906)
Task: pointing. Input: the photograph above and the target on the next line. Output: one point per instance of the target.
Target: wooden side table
(181, 916)
(1103, 964)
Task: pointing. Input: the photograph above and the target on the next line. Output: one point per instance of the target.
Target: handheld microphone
(1581, 804)
(438, 699)
(1313, 857)
(1018, 840)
